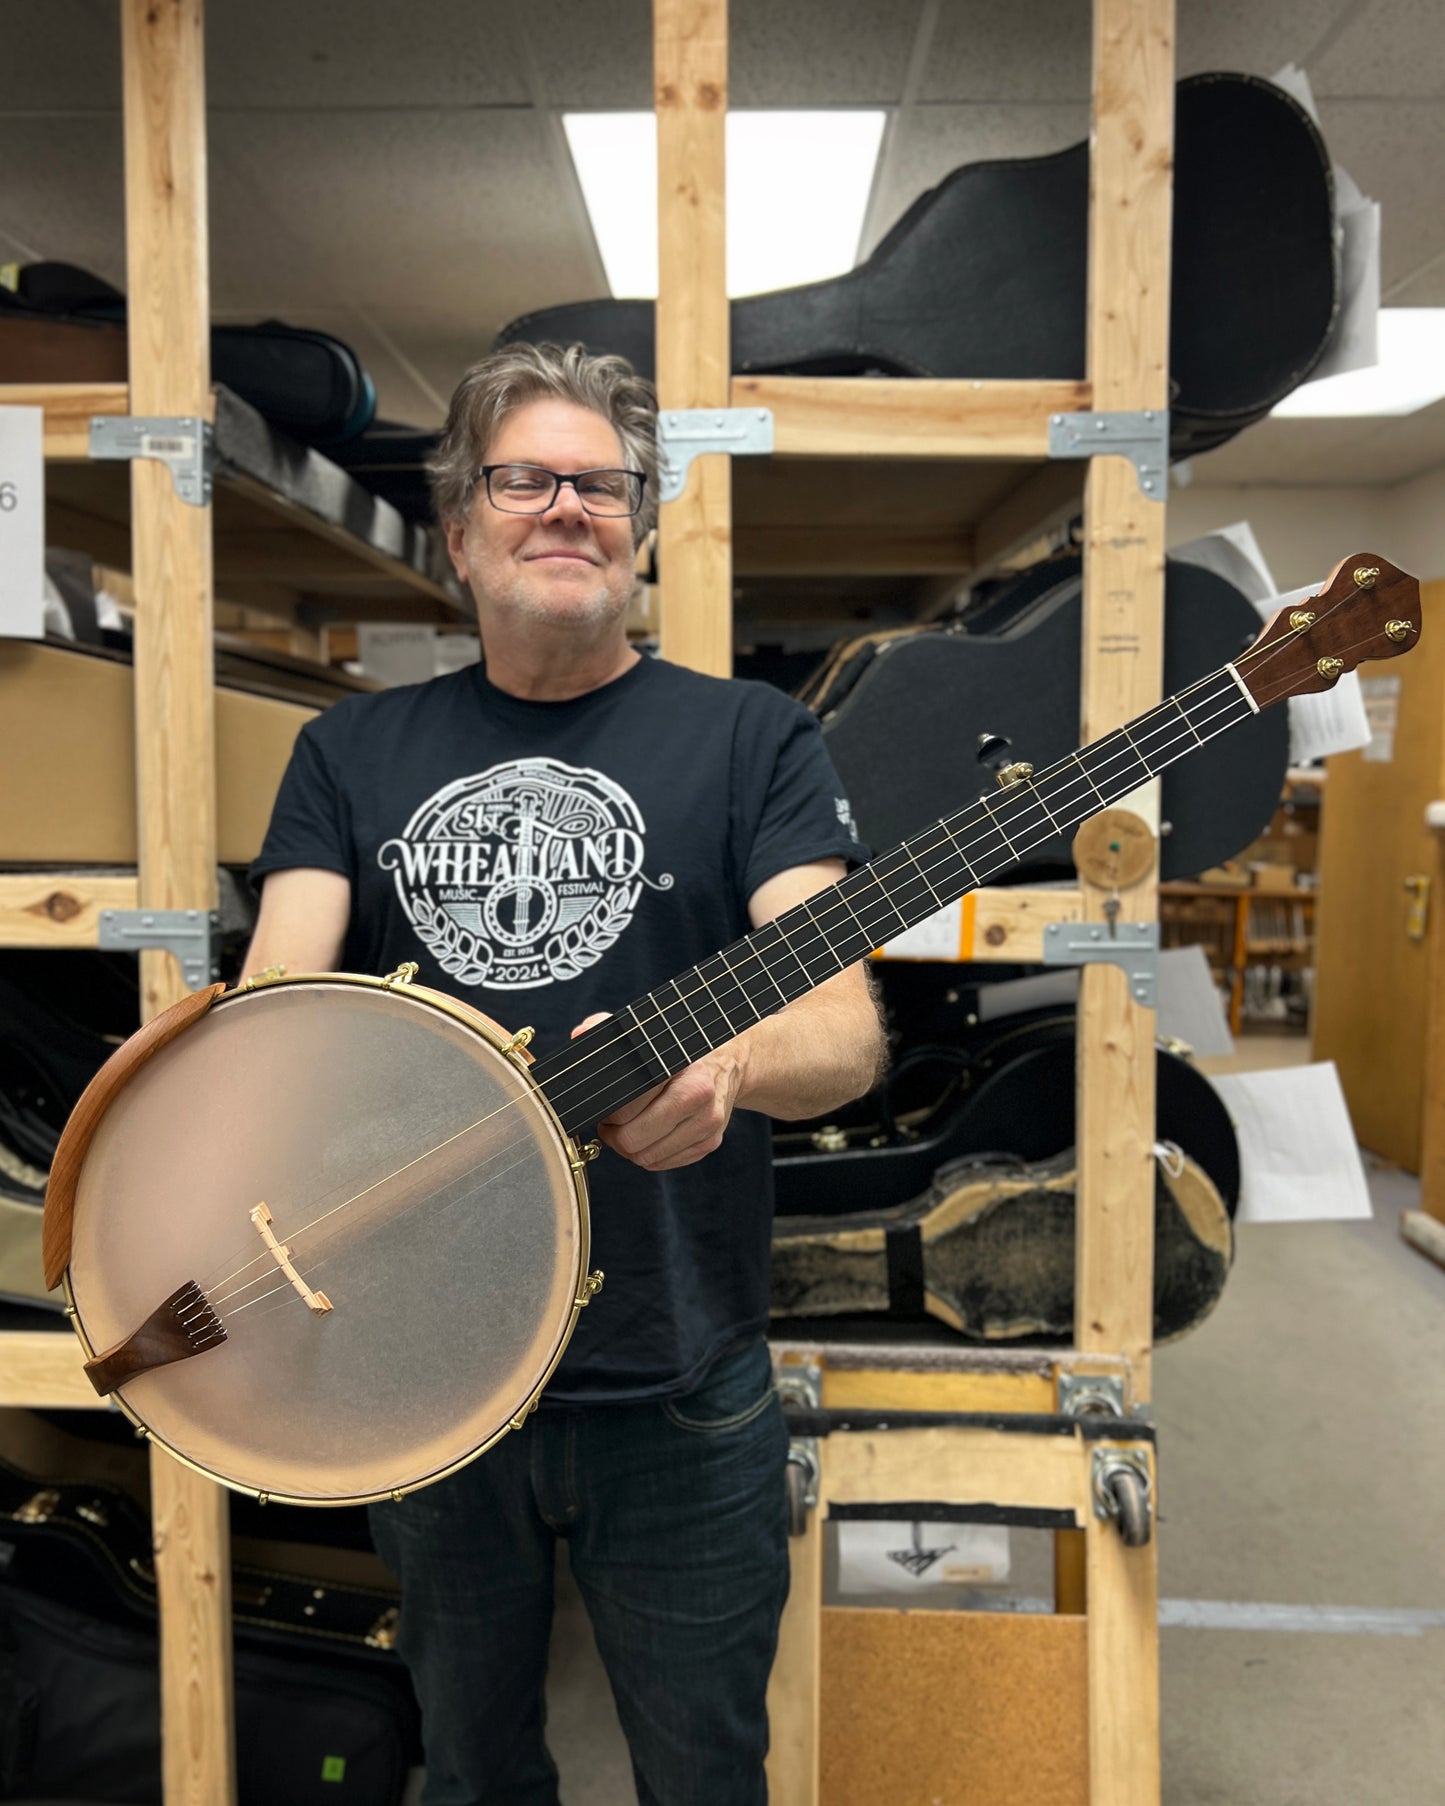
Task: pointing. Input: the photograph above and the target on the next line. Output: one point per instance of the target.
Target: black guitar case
(61, 324)
(1013, 1095)
(902, 717)
(988, 1249)
(985, 275)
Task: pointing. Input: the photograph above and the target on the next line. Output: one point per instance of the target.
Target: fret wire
(869, 937)
(734, 1028)
(842, 898)
(954, 838)
(1135, 750)
(1078, 760)
(659, 1010)
(922, 874)
(764, 964)
(681, 995)
(1216, 715)
(798, 960)
(637, 1023)
(1187, 722)
(951, 881)
(870, 934)
(999, 825)
(747, 999)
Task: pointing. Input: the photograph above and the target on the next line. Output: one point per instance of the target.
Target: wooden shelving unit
(979, 460)
(973, 459)
(286, 529)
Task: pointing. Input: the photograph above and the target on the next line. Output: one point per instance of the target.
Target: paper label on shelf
(919, 1558)
(1190, 1008)
(1298, 1158)
(1382, 711)
(397, 655)
(22, 523)
(939, 936)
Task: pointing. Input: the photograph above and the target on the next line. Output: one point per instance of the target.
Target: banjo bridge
(315, 1301)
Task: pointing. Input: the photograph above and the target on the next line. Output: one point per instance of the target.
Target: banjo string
(1236, 710)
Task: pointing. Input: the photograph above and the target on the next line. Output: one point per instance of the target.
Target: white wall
(1303, 531)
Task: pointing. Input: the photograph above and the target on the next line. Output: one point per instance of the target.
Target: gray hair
(518, 374)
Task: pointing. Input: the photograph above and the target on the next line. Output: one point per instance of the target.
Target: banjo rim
(588, 1283)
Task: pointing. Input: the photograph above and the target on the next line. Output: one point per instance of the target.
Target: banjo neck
(1300, 650)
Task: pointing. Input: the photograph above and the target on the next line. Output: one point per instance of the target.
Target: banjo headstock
(1368, 609)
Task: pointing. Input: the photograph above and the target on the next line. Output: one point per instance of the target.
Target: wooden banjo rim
(588, 1283)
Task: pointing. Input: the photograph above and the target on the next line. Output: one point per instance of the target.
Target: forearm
(823, 1050)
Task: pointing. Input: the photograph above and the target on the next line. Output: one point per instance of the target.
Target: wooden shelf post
(1130, 193)
(169, 327)
(690, 72)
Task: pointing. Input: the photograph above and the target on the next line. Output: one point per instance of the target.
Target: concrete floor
(1302, 1452)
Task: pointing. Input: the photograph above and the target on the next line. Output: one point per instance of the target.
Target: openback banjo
(325, 1237)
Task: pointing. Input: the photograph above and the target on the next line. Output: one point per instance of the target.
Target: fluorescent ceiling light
(1408, 377)
(798, 186)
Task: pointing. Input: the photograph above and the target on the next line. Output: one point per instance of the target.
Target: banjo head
(415, 1178)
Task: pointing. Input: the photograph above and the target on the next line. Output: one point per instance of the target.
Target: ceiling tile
(1250, 38)
(360, 53)
(1395, 150)
(1035, 52)
(819, 53)
(1393, 48)
(388, 209)
(930, 141)
(594, 57)
(64, 192)
(59, 53)
(1424, 289)
(1363, 452)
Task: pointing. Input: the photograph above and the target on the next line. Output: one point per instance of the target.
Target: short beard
(597, 610)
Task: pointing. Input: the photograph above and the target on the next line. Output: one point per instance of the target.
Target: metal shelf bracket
(1132, 946)
(183, 442)
(1142, 437)
(192, 935)
(687, 433)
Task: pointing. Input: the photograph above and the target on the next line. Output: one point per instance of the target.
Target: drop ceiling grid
(381, 169)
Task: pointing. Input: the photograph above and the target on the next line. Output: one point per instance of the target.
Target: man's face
(562, 567)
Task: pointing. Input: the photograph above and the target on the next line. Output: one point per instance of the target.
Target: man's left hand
(679, 1121)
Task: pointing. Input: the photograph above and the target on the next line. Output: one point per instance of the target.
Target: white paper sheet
(919, 1558)
(22, 523)
(1334, 721)
(1299, 1162)
(1190, 1009)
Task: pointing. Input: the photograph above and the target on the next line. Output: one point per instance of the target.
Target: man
(549, 836)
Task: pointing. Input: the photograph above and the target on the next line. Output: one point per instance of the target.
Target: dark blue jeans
(676, 1519)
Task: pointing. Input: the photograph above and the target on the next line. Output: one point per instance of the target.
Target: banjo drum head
(416, 1178)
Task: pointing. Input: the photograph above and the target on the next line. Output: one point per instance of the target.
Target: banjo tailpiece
(184, 1325)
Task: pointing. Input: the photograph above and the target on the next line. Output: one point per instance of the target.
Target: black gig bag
(80, 1718)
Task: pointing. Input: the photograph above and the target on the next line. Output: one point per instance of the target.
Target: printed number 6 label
(22, 522)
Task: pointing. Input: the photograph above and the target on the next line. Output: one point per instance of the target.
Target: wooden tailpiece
(184, 1325)
(316, 1301)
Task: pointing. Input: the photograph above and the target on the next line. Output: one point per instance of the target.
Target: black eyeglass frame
(558, 479)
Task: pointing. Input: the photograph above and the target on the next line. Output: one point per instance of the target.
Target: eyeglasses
(528, 489)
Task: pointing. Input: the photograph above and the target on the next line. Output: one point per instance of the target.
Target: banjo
(325, 1237)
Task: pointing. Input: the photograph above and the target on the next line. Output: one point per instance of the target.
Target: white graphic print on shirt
(522, 874)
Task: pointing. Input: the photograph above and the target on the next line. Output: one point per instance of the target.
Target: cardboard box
(67, 759)
(1273, 877)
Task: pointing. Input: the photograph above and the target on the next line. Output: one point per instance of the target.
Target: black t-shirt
(546, 860)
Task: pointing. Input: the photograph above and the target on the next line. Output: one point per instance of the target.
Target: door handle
(1417, 888)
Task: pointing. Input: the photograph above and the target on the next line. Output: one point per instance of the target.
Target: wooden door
(1371, 973)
